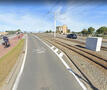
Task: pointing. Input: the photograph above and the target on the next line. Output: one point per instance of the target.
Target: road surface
(43, 70)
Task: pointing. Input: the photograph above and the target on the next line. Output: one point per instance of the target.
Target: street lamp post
(54, 24)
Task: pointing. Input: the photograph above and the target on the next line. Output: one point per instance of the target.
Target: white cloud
(77, 17)
(74, 16)
(26, 22)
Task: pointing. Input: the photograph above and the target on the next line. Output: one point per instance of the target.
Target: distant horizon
(40, 17)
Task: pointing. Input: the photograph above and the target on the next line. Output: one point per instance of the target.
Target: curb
(16, 82)
(60, 55)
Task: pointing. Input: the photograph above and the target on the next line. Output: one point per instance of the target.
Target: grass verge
(9, 60)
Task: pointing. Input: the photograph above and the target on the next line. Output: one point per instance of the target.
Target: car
(73, 36)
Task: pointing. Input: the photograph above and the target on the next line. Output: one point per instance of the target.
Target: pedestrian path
(13, 43)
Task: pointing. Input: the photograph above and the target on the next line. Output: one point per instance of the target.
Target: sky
(40, 17)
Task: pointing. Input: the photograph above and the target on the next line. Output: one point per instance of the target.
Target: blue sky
(40, 17)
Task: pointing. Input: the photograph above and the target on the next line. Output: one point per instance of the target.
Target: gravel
(95, 77)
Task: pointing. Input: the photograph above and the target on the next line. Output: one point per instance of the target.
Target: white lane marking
(56, 50)
(81, 84)
(65, 64)
(34, 50)
(39, 50)
(52, 47)
(61, 54)
(21, 70)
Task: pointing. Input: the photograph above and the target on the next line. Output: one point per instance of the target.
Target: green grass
(8, 61)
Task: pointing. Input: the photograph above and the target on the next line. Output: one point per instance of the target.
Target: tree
(68, 31)
(50, 31)
(84, 32)
(73, 32)
(11, 32)
(105, 32)
(91, 30)
(46, 31)
(102, 30)
(18, 30)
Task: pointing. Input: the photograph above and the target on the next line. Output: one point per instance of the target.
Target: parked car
(73, 36)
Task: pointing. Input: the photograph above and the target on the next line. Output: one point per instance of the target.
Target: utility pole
(54, 24)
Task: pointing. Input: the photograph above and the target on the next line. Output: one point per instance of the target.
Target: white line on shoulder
(21, 70)
(65, 64)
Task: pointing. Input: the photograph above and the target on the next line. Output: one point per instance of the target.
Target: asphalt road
(43, 70)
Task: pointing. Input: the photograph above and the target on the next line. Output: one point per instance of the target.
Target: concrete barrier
(94, 43)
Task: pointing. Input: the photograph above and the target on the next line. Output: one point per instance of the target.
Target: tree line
(13, 31)
(57, 31)
(102, 31)
(91, 31)
(48, 31)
